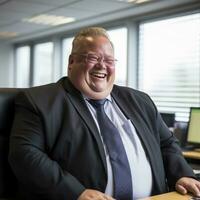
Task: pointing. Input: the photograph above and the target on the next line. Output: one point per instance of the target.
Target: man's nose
(101, 61)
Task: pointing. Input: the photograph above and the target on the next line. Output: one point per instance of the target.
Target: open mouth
(99, 75)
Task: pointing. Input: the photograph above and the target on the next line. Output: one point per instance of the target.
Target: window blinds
(169, 63)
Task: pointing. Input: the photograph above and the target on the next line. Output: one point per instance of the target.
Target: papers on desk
(197, 174)
(196, 171)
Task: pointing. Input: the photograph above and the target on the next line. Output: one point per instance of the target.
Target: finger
(101, 196)
(108, 197)
(98, 198)
(198, 185)
(193, 188)
(181, 189)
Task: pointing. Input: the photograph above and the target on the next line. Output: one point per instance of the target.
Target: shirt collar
(108, 97)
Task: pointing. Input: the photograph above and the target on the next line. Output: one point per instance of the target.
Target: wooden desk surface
(191, 154)
(168, 196)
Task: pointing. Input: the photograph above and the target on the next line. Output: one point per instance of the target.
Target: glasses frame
(98, 60)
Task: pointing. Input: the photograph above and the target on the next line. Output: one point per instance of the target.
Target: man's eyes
(91, 57)
(110, 61)
(97, 58)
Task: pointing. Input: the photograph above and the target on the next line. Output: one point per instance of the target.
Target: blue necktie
(116, 151)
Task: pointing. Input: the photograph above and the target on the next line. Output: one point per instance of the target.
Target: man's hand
(185, 185)
(94, 195)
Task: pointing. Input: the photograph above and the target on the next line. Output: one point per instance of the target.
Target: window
(22, 67)
(43, 63)
(169, 63)
(119, 40)
(66, 50)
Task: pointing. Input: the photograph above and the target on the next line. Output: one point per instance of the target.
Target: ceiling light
(132, 1)
(139, 1)
(7, 34)
(135, 1)
(125, 0)
(52, 20)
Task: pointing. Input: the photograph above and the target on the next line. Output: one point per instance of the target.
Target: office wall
(6, 65)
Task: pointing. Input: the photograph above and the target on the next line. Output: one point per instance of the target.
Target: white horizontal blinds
(43, 63)
(119, 39)
(23, 67)
(169, 63)
(66, 51)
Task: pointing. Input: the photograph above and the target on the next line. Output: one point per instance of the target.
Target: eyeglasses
(95, 59)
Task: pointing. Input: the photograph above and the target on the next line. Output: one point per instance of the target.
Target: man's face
(92, 78)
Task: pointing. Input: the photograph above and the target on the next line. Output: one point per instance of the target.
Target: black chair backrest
(168, 118)
(8, 182)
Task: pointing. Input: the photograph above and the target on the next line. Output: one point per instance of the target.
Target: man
(58, 150)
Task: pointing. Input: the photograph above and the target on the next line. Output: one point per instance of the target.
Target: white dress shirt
(139, 164)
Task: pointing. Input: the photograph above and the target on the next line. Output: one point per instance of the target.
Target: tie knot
(97, 103)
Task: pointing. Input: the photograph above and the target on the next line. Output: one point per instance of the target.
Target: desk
(193, 158)
(168, 196)
(192, 154)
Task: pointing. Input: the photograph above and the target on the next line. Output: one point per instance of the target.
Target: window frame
(132, 25)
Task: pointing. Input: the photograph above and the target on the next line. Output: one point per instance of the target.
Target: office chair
(8, 182)
(168, 118)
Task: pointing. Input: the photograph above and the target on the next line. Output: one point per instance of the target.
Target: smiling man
(85, 138)
(92, 66)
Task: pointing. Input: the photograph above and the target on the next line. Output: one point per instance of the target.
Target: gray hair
(89, 32)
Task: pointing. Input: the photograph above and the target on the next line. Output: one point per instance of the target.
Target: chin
(96, 94)
(99, 87)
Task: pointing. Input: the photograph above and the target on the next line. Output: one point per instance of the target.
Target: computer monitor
(193, 130)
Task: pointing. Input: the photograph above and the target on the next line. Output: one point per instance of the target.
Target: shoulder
(130, 93)
(47, 90)
(134, 99)
(42, 96)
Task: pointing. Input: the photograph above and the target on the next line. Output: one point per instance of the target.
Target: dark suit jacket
(56, 151)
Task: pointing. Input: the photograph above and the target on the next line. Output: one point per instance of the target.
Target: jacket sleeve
(40, 176)
(167, 162)
(174, 163)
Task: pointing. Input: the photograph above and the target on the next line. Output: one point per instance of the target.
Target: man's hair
(89, 32)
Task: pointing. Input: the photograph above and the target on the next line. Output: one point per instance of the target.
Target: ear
(70, 62)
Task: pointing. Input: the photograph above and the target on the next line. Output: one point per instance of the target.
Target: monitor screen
(193, 132)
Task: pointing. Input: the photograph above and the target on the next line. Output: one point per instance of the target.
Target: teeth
(99, 75)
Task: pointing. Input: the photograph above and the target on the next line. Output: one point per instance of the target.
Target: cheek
(111, 70)
(88, 67)
(83, 72)
(81, 69)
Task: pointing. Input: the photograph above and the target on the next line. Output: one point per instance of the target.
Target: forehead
(98, 43)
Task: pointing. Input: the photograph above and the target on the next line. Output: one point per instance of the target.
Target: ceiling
(14, 13)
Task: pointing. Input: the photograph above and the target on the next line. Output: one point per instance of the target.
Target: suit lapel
(141, 129)
(133, 114)
(79, 104)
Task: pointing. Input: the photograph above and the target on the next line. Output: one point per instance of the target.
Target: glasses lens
(92, 58)
(109, 62)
